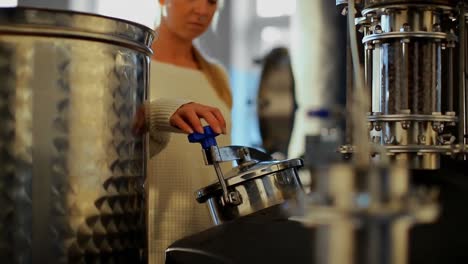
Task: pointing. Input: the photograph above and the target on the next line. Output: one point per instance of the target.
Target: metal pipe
(416, 84)
(404, 78)
(462, 130)
(434, 102)
(368, 71)
(349, 92)
(450, 80)
(360, 103)
(439, 77)
(222, 181)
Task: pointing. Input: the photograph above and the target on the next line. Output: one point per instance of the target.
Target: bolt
(405, 125)
(405, 40)
(438, 127)
(421, 139)
(244, 154)
(378, 127)
(446, 139)
(405, 28)
(235, 198)
(391, 140)
(378, 29)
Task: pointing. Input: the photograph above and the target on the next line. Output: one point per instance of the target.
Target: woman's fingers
(219, 116)
(191, 117)
(179, 122)
(187, 118)
(211, 120)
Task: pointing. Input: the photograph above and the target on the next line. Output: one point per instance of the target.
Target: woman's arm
(177, 115)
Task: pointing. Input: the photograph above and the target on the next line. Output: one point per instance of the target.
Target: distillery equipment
(256, 183)
(363, 212)
(71, 172)
(398, 196)
(414, 66)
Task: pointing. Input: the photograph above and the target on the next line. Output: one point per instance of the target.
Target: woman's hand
(187, 118)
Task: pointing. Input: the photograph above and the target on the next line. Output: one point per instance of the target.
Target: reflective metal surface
(70, 170)
(259, 186)
(407, 49)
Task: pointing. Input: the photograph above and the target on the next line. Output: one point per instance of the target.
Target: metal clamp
(229, 197)
(214, 155)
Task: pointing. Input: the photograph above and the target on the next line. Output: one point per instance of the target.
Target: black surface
(267, 237)
(248, 240)
(445, 241)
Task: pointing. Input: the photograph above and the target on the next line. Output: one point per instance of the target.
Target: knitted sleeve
(158, 113)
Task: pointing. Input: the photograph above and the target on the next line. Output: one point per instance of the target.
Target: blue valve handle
(319, 113)
(206, 139)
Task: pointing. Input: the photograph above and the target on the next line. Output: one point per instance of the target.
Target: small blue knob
(206, 139)
(320, 113)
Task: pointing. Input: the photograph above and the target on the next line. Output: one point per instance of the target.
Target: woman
(178, 70)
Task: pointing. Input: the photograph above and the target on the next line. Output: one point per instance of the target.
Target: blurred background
(282, 58)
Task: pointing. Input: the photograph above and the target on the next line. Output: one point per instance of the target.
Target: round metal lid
(71, 24)
(239, 175)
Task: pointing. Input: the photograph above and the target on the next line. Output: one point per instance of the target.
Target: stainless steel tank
(71, 172)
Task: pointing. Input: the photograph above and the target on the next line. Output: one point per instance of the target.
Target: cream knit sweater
(178, 169)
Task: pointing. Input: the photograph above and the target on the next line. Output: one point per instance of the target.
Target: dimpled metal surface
(71, 172)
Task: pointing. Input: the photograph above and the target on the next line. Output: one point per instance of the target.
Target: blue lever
(207, 139)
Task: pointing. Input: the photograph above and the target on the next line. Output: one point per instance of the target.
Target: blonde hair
(160, 10)
(216, 75)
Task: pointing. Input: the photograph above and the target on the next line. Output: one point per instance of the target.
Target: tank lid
(238, 175)
(75, 25)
